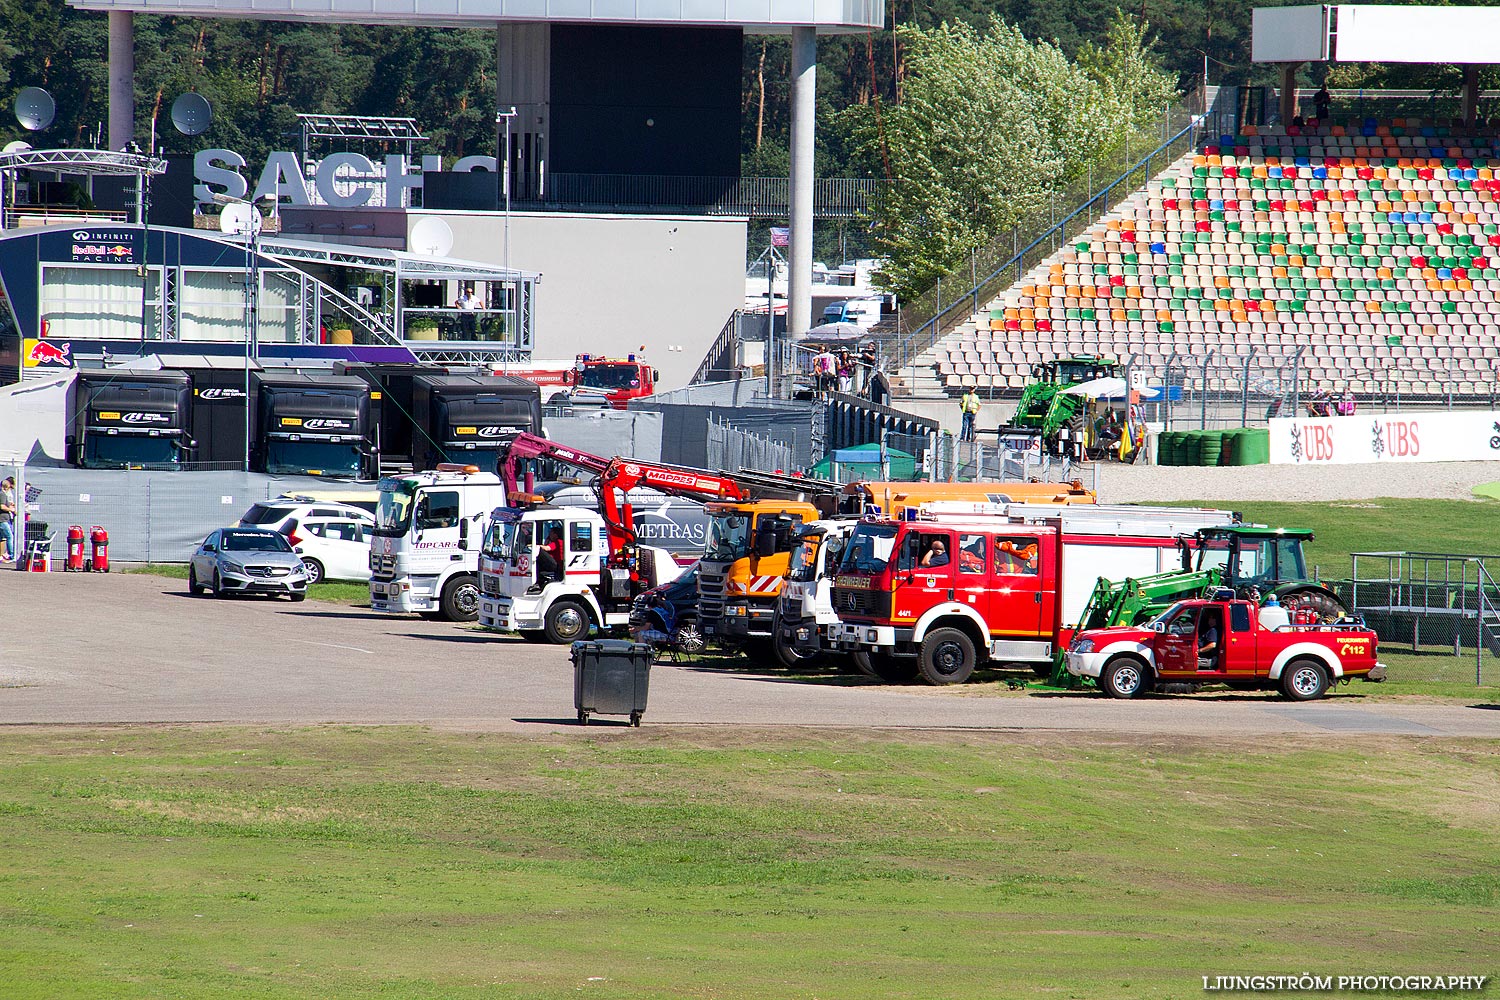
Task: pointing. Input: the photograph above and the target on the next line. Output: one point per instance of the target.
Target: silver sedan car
(247, 561)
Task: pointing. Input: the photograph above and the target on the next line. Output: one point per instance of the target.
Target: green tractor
(1254, 560)
(1046, 408)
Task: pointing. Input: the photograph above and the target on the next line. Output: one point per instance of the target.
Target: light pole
(510, 318)
(242, 218)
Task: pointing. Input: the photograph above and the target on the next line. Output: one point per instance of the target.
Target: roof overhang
(1376, 33)
(755, 16)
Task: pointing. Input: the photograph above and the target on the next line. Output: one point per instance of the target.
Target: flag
(781, 236)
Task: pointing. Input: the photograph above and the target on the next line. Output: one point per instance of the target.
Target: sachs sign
(341, 180)
(1443, 436)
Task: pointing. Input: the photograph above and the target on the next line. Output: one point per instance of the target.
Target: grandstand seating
(1374, 246)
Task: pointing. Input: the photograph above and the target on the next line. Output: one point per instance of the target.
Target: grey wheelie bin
(610, 677)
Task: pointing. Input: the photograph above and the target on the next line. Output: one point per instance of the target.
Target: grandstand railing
(922, 322)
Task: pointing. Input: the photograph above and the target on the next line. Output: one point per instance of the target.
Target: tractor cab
(1258, 562)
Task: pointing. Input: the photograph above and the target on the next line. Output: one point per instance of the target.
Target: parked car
(332, 548)
(275, 515)
(682, 595)
(247, 561)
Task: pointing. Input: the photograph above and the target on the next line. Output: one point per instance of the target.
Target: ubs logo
(145, 418)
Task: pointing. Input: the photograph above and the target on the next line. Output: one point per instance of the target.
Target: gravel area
(1436, 481)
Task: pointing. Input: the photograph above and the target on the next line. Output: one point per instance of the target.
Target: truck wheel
(565, 622)
(886, 667)
(784, 653)
(947, 657)
(1325, 607)
(1304, 680)
(460, 601)
(1125, 677)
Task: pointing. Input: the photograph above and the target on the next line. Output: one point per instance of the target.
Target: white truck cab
(424, 548)
(805, 610)
(549, 600)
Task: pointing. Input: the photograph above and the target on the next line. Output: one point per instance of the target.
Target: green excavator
(1046, 407)
(1254, 560)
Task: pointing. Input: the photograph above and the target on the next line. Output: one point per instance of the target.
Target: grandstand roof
(1376, 33)
(758, 16)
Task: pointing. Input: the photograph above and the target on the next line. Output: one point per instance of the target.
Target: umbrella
(836, 333)
(1112, 387)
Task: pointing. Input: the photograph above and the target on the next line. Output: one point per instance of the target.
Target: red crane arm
(527, 446)
(623, 475)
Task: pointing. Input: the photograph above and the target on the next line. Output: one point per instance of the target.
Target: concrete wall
(611, 283)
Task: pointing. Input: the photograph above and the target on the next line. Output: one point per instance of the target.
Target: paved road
(136, 649)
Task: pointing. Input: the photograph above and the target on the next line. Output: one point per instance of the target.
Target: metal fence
(833, 197)
(730, 447)
(1437, 614)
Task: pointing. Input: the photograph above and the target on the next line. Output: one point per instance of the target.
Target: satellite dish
(35, 109)
(431, 237)
(16, 146)
(191, 114)
(239, 219)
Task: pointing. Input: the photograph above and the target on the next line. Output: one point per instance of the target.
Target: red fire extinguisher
(75, 549)
(100, 539)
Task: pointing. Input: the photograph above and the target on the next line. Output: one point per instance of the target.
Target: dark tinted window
(254, 541)
(263, 514)
(1239, 617)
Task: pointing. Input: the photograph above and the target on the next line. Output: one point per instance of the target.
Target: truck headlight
(1083, 646)
(736, 610)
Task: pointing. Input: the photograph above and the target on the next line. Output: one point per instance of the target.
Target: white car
(333, 548)
(277, 515)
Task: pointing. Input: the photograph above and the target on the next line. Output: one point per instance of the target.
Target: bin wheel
(635, 719)
(583, 717)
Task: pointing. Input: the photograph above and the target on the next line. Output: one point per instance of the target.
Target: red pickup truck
(1228, 642)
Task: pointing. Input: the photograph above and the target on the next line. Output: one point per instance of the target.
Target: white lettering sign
(341, 180)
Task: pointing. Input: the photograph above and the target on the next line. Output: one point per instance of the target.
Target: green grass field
(184, 862)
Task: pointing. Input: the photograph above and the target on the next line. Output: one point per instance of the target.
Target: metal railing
(1431, 599)
(925, 319)
(833, 197)
(721, 350)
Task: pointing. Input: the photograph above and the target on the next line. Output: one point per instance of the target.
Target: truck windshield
(506, 539)
(728, 537)
(611, 377)
(324, 458)
(869, 549)
(393, 512)
(804, 564)
(118, 452)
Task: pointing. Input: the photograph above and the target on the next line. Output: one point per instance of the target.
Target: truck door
(1017, 604)
(436, 525)
(1176, 649)
(1239, 645)
(924, 574)
(971, 581)
(582, 556)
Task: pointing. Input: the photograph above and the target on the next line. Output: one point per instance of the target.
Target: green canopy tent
(862, 463)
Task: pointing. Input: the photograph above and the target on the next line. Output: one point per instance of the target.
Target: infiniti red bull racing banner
(94, 245)
(46, 353)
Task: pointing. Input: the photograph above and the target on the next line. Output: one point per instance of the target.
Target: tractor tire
(886, 667)
(1125, 677)
(460, 601)
(947, 657)
(566, 622)
(1304, 680)
(1323, 605)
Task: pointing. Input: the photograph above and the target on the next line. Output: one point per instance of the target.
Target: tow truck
(614, 380)
(1251, 647)
(599, 580)
(424, 547)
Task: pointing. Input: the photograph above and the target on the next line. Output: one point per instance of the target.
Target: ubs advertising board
(1443, 436)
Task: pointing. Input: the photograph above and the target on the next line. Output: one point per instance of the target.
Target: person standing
(1321, 104)
(968, 406)
(8, 550)
(846, 372)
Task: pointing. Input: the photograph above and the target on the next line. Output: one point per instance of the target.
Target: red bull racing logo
(47, 354)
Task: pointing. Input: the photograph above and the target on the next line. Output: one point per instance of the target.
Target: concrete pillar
(1471, 93)
(1288, 92)
(799, 257)
(121, 78)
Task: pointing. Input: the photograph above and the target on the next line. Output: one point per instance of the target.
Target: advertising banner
(1443, 436)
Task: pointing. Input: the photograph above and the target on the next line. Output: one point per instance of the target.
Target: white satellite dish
(35, 109)
(16, 146)
(239, 219)
(431, 237)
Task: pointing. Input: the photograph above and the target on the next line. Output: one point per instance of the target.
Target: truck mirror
(1158, 627)
(463, 531)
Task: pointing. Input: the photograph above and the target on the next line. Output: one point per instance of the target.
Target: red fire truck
(1226, 641)
(941, 593)
(615, 380)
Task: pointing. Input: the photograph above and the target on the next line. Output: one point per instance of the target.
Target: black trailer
(313, 424)
(131, 420)
(466, 418)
